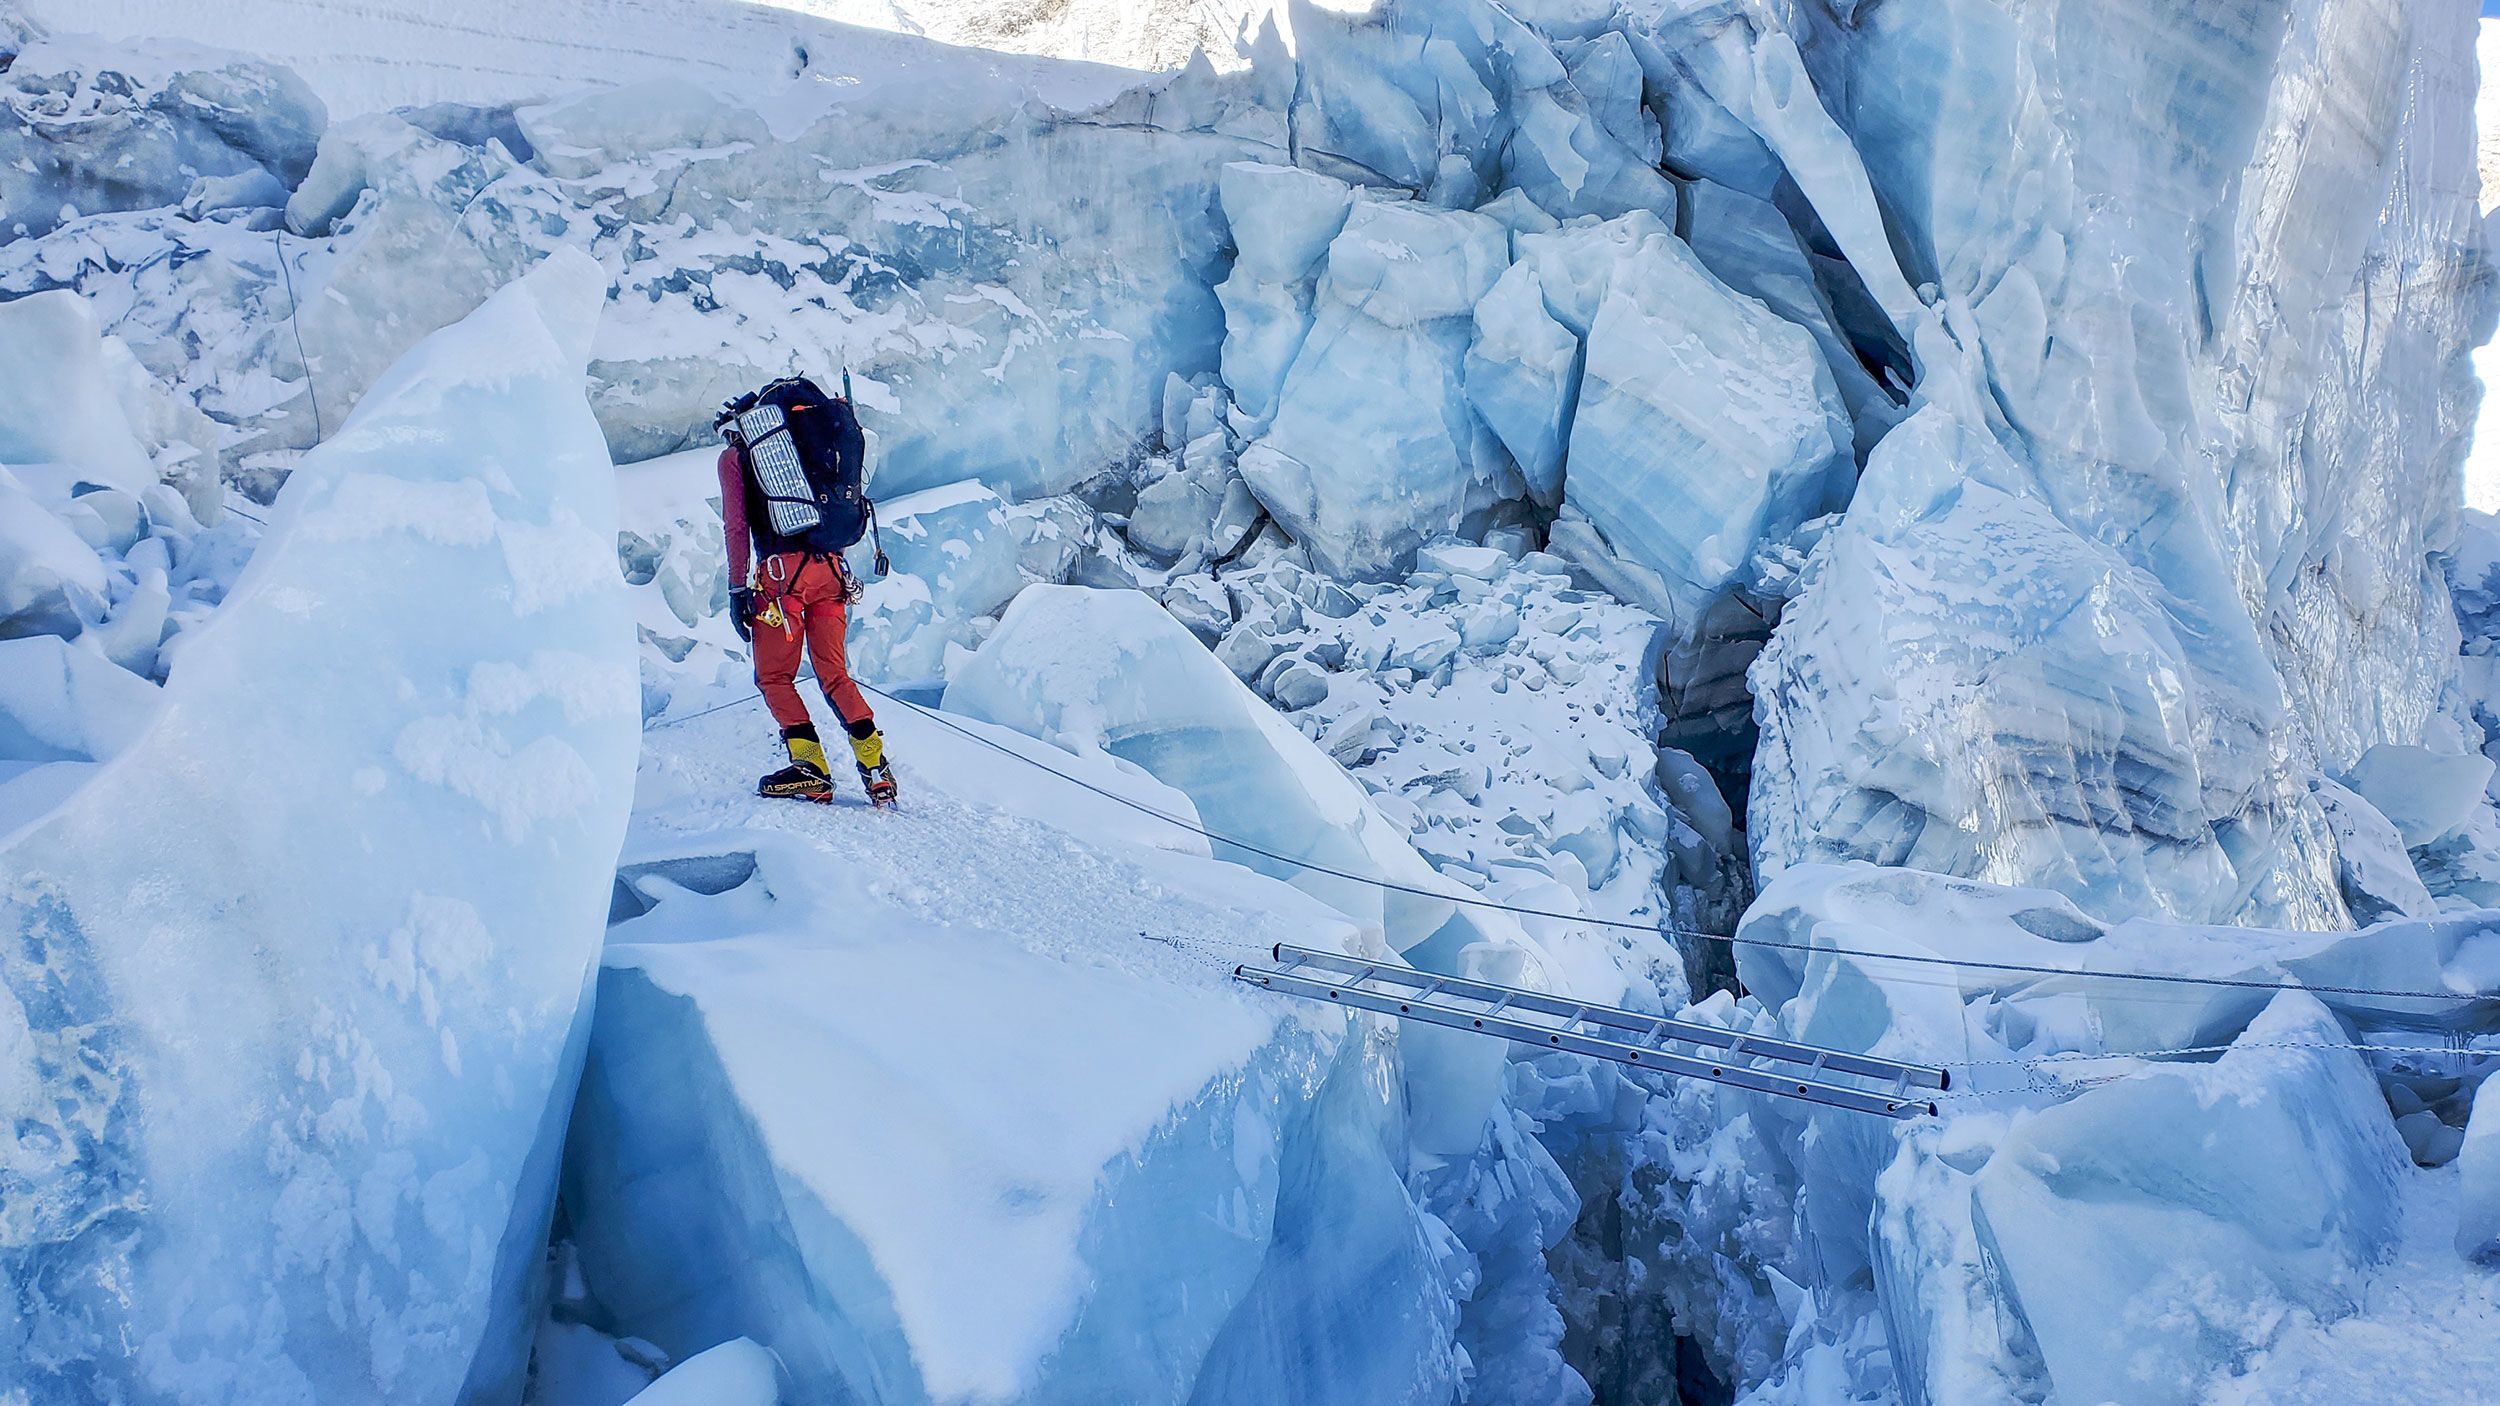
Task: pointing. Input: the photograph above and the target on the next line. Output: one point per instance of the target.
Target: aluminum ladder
(1781, 1068)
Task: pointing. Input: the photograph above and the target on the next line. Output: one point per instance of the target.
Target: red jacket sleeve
(733, 516)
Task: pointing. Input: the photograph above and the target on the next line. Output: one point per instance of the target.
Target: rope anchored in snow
(2034, 1063)
(1810, 949)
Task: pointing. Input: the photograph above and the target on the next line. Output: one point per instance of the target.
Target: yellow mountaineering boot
(805, 778)
(869, 750)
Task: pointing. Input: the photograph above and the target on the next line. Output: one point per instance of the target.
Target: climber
(790, 481)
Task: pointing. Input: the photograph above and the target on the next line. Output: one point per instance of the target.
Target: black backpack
(803, 451)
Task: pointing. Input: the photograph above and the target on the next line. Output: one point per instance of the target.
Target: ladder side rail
(1768, 1047)
(1493, 996)
(1734, 1075)
(1498, 998)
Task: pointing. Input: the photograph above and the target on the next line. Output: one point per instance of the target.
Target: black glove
(742, 612)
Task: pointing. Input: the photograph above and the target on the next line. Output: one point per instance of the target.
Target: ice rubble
(145, 124)
(104, 567)
(1502, 717)
(248, 1170)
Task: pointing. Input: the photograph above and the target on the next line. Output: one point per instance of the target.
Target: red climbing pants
(810, 593)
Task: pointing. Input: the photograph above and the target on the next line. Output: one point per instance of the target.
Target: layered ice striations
(2206, 398)
(1373, 446)
(1967, 686)
(300, 979)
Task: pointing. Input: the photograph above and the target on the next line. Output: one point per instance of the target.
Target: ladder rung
(1568, 1036)
(1644, 1029)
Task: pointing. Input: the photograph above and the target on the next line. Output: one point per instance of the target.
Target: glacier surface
(1594, 457)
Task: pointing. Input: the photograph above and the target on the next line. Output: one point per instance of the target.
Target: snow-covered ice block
(2372, 869)
(2425, 793)
(1967, 685)
(50, 579)
(582, 136)
(739, 1372)
(1112, 671)
(953, 561)
(62, 703)
(381, 156)
(412, 251)
(1282, 219)
(2478, 1177)
(1748, 243)
(134, 125)
(1705, 425)
(307, 1151)
(2150, 1229)
(1523, 371)
(922, 1157)
(63, 708)
(61, 422)
(1374, 446)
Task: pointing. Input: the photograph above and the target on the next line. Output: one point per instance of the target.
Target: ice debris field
(1931, 532)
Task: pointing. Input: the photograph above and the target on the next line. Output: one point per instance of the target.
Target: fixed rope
(2033, 1063)
(277, 241)
(1495, 905)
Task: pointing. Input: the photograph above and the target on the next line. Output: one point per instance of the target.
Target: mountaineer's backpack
(803, 452)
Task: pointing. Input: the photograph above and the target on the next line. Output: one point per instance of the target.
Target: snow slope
(2424, 1331)
(410, 53)
(972, 1105)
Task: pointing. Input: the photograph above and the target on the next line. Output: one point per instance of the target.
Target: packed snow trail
(974, 862)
